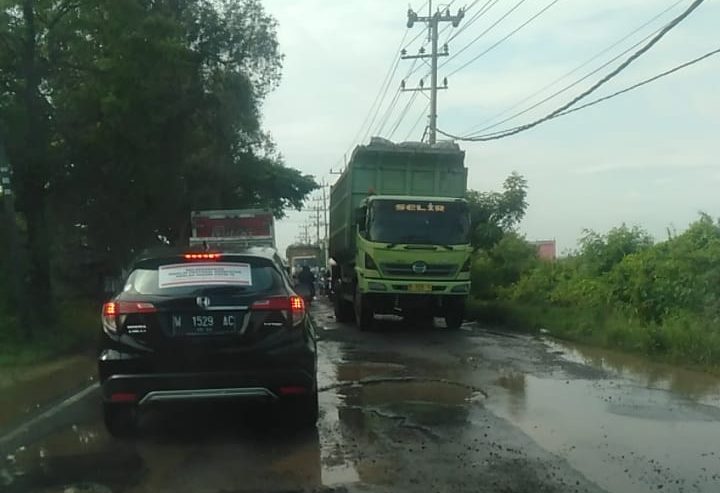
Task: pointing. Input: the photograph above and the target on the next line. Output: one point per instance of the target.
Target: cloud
(648, 157)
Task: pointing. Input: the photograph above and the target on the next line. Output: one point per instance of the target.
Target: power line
(386, 116)
(627, 89)
(576, 69)
(500, 135)
(569, 86)
(487, 30)
(414, 67)
(643, 82)
(384, 89)
(420, 33)
(419, 119)
(484, 9)
(388, 111)
(411, 100)
(505, 38)
(594, 87)
(433, 21)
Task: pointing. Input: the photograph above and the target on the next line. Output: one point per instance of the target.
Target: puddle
(691, 383)
(341, 474)
(359, 370)
(652, 427)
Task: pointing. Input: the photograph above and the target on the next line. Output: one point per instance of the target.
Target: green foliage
(122, 116)
(501, 265)
(619, 290)
(494, 213)
(601, 253)
(77, 329)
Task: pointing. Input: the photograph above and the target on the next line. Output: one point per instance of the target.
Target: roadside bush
(619, 290)
(501, 266)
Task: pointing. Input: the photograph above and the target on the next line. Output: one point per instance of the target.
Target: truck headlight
(370, 263)
(376, 286)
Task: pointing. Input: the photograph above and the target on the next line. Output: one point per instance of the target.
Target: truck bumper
(413, 287)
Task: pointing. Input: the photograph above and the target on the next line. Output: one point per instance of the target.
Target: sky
(649, 158)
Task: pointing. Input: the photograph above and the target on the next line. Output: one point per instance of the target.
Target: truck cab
(413, 257)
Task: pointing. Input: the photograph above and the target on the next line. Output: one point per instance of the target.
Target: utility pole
(306, 234)
(326, 211)
(16, 264)
(317, 225)
(323, 207)
(433, 20)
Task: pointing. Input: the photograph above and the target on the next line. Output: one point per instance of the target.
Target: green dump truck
(399, 233)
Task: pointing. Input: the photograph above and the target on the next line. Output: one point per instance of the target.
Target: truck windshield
(419, 222)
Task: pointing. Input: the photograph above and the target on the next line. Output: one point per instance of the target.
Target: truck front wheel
(364, 312)
(455, 314)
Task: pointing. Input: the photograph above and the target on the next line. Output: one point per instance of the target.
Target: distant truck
(400, 233)
(232, 228)
(299, 256)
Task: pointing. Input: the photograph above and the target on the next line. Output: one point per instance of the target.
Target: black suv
(199, 326)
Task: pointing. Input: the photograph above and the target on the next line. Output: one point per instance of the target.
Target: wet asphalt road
(406, 409)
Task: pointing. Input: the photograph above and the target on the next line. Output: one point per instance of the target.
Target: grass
(74, 330)
(681, 338)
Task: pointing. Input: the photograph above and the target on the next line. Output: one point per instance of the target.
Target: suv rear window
(147, 279)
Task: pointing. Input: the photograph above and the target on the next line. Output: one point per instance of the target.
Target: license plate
(204, 323)
(420, 288)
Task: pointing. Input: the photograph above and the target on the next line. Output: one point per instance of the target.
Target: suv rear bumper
(130, 380)
(149, 388)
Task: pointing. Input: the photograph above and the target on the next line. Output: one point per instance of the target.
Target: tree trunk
(33, 172)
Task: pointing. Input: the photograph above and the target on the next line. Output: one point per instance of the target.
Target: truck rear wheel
(343, 309)
(364, 312)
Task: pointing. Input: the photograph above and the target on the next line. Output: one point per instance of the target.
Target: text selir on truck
(399, 233)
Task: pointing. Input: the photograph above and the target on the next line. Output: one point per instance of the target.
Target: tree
(494, 213)
(602, 252)
(122, 116)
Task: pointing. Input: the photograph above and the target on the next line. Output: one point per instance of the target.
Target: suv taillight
(112, 310)
(293, 304)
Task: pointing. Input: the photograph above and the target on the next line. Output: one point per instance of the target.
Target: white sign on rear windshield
(215, 273)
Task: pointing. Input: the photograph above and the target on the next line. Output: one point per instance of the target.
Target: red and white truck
(232, 228)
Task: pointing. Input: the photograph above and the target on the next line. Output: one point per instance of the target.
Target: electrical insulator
(412, 17)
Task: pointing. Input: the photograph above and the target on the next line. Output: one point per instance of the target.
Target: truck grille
(406, 270)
